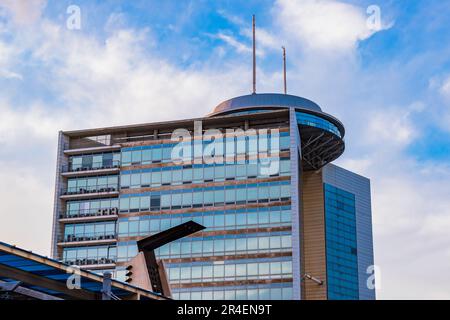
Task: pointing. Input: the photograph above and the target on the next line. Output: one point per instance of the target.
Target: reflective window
(92, 207)
(89, 231)
(278, 291)
(315, 121)
(90, 255)
(215, 246)
(341, 248)
(92, 184)
(94, 161)
(156, 177)
(161, 153)
(203, 197)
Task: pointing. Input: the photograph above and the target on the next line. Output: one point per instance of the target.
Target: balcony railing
(89, 189)
(90, 261)
(89, 237)
(113, 164)
(89, 213)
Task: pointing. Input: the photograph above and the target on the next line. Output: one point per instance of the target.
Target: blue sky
(143, 61)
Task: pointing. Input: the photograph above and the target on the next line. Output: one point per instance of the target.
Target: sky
(144, 61)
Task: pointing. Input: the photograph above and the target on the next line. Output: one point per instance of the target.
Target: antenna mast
(284, 69)
(254, 54)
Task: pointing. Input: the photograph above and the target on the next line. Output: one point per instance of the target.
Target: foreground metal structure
(28, 276)
(148, 272)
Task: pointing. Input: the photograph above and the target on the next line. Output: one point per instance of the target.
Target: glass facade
(90, 255)
(178, 175)
(79, 208)
(161, 153)
(238, 210)
(341, 247)
(205, 197)
(303, 118)
(94, 161)
(275, 291)
(318, 122)
(230, 270)
(90, 231)
(261, 217)
(246, 213)
(92, 184)
(223, 245)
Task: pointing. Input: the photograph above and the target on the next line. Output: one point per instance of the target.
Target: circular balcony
(322, 135)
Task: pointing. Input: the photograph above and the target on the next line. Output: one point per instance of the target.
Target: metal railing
(89, 261)
(90, 189)
(82, 213)
(94, 166)
(89, 237)
(91, 142)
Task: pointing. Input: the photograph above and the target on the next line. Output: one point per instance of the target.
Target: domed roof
(265, 100)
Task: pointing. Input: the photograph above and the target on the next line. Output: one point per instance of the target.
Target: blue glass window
(318, 122)
(341, 248)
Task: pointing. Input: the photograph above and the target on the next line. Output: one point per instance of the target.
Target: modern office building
(301, 230)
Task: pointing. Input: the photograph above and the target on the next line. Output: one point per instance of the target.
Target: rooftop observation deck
(322, 135)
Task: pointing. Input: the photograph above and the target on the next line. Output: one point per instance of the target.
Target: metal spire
(254, 53)
(284, 69)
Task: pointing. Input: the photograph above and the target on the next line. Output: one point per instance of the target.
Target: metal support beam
(16, 288)
(39, 281)
(325, 150)
(169, 235)
(9, 286)
(319, 146)
(106, 290)
(311, 141)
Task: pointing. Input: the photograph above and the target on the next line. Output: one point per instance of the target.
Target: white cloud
(359, 165)
(445, 89)
(36, 122)
(7, 59)
(325, 25)
(239, 46)
(264, 38)
(438, 223)
(24, 12)
(231, 18)
(93, 83)
(439, 87)
(10, 75)
(26, 205)
(329, 27)
(391, 126)
(411, 220)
